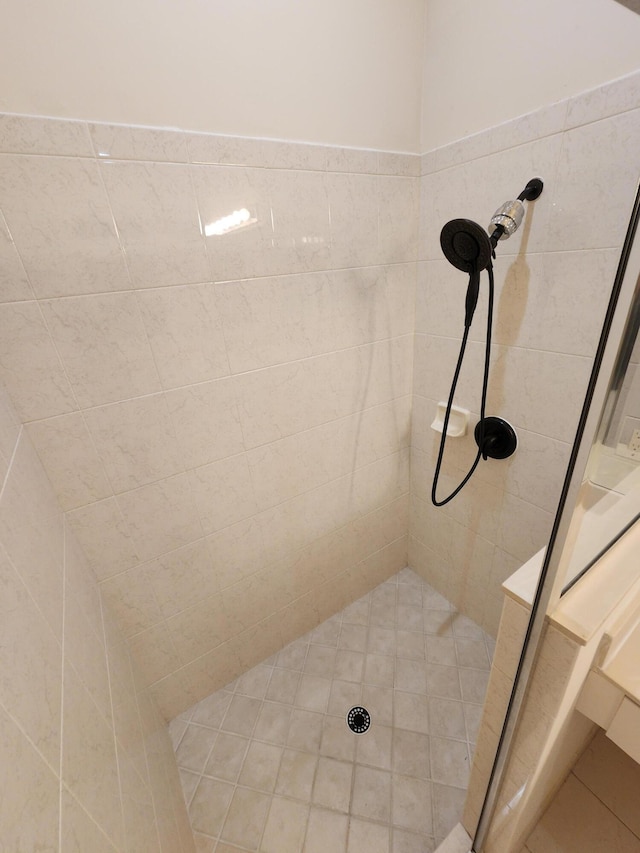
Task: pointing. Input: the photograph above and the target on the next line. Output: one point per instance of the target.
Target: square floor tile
(260, 767)
(326, 831)
(296, 774)
(371, 794)
(412, 804)
(246, 818)
(449, 762)
(268, 763)
(285, 828)
(227, 756)
(209, 806)
(332, 786)
(366, 837)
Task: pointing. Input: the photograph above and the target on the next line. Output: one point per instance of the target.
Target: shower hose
(485, 383)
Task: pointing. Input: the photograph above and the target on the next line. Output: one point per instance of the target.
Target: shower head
(466, 245)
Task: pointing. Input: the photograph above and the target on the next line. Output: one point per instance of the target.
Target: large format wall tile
(74, 745)
(31, 368)
(104, 347)
(231, 422)
(155, 211)
(61, 222)
(553, 283)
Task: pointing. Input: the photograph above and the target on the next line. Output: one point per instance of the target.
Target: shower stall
(222, 359)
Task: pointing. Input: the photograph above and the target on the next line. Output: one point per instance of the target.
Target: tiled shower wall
(553, 280)
(225, 419)
(85, 759)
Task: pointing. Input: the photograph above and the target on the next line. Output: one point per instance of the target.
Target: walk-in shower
(471, 249)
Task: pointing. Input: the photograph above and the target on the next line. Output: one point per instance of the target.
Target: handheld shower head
(466, 245)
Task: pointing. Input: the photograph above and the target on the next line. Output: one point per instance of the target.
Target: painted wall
(597, 800)
(553, 280)
(484, 65)
(343, 73)
(225, 418)
(85, 759)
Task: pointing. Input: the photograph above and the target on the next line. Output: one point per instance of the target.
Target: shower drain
(358, 720)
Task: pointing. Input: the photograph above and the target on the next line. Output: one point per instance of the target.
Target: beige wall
(224, 418)
(596, 807)
(85, 760)
(553, 280)
(344, 73)
(485, 64)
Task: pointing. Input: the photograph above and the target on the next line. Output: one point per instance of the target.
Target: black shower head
(466, 245)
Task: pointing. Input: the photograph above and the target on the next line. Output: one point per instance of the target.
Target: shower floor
(269, 764)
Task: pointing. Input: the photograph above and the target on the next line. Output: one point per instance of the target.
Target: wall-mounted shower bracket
(499, 439)
(532, 190)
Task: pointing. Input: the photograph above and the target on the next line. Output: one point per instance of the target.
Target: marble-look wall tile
(78, 830)
(237, 550)
(9, 432)
(274, 320)
(161, 516)
(269, 153)
(354, 218)
(398, 212)
(69, 456)
(540, 391)
(221, 190)
(154, 652)
(352, 160)
(89, 766)
(156, 215)
(223, 492)
(32, 673)
(595, 193)
(69, 727)
(34, 135)
(104, 536)
(61, 222)
(186, 335)
(31, 530)
(14, 283)
(103, 346)
(605, 101)
(503, 175)
(391, 163)
(535, 298)
(136, 441)
(287, 399)
(293, 465)
(181, 578)
(301, 231)
(30, 792)
(131, 600)
(535, 472)
(119, 142)
(206, 421)
(30, 366)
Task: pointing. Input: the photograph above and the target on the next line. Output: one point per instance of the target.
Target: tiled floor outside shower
(268, 763)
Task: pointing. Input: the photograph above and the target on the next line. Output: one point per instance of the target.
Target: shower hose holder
(499, 441)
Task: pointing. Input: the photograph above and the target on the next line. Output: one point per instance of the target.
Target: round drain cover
(358, 720)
